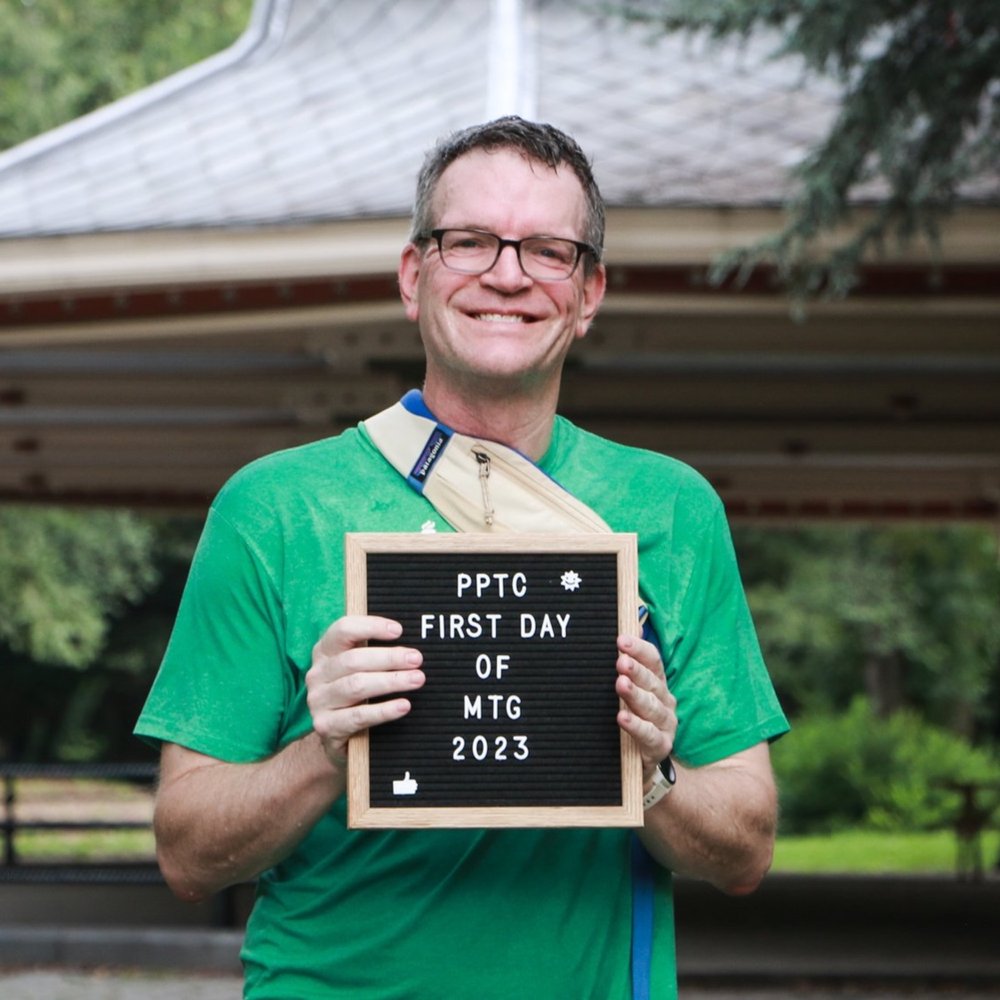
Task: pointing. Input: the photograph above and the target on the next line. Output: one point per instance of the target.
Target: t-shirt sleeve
(224, 681)
(725, 699)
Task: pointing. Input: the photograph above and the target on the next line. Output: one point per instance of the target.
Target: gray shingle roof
(324, 108)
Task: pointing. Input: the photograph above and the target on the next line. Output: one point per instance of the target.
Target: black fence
(100, 870)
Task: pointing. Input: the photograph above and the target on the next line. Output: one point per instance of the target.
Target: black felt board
(516, 723)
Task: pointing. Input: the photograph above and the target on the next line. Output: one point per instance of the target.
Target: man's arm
(718, 823)
(218, 823)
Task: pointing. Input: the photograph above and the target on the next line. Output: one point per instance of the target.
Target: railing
(14, 869)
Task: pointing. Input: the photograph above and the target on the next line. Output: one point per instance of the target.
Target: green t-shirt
(484, 914)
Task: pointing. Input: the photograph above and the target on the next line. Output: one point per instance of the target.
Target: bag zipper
(484, 482)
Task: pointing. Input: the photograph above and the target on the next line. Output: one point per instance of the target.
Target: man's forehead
(483, 164)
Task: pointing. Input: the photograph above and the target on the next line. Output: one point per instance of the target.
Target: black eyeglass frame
(581, 249)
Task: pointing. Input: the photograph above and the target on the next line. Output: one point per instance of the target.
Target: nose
(506, 272)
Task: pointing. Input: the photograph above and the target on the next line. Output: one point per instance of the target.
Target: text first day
(473, 625)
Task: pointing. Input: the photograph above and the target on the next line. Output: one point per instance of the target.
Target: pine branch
(919, 118)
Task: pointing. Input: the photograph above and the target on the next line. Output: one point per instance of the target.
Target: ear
(594, 285)
(409, 279)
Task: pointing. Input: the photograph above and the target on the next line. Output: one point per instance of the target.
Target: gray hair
(540, 142)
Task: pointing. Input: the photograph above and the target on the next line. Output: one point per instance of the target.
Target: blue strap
(642, 920)
(643, 886)
(436, 443)
(413, 400)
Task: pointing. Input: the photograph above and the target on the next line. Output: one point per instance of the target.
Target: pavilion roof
(323, 109)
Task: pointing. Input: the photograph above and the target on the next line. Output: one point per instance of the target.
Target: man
(266, 680)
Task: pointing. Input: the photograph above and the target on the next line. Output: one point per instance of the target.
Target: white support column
(512, 59)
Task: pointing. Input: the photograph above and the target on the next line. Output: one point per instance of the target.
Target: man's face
(501, 329)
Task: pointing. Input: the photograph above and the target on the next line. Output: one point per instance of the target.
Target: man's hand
(346, 673)
(649, 714)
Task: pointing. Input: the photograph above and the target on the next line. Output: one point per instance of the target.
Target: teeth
(499, 318)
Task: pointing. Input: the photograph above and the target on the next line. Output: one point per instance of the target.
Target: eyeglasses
(544, 258)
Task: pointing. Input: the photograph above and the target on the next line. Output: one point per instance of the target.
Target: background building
(204, 272)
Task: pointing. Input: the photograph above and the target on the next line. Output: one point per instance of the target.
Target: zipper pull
(484, 481)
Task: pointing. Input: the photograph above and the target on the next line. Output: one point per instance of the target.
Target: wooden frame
(368, 810)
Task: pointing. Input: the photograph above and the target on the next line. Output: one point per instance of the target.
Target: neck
(522, 421)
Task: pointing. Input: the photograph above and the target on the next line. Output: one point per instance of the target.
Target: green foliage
(53, 709)
(60, 59)
(850, 769)
(920, 113)
(64, 574)
(912, 614)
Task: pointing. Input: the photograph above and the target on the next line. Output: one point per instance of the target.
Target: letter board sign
(516, 723)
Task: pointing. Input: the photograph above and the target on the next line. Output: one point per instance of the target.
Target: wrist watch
(664, 779)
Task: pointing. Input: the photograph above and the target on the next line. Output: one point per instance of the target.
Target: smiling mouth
(489, 317)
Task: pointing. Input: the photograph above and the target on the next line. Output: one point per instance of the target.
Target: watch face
(668, 771)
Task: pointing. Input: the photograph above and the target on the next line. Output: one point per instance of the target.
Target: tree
(60, 59)
(87, 599)
(920, 113)
(909, 615)
(64, 574)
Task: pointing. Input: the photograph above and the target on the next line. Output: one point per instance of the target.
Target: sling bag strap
(478, 485)
(475, 484)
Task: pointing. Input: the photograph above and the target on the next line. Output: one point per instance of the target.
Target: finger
(336, 726)
(653, 743)
(643, 652)
(656, 706)
(340, 680)
(355, 630)
(374, 659)
(360, 685)
(634, 675)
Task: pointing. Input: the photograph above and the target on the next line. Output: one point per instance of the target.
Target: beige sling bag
(476, 485)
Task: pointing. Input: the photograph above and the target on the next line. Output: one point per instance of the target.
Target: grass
(846, 852)
(62, 800)
(870, 852)
(91, 846)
